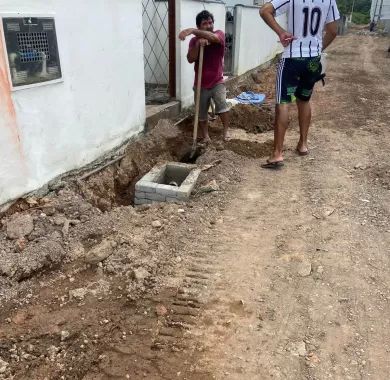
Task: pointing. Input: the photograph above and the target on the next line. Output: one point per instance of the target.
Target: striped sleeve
(333, 12)
(280, 6)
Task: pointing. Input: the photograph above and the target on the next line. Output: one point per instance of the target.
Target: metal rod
(172, 46)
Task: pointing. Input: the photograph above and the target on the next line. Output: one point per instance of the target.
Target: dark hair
(204, 15)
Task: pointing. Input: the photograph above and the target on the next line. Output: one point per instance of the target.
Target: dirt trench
(84, 275)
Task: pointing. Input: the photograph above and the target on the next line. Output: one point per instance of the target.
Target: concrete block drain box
(167, 183)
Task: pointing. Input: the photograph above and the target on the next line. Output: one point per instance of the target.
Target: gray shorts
(218, 94)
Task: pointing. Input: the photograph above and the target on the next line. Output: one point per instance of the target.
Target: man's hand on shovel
(203, 42)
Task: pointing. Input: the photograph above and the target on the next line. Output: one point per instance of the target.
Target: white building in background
(231, 3)
(73, 76)
(380, 11)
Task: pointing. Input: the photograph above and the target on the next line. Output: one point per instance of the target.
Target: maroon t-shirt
(212, 62)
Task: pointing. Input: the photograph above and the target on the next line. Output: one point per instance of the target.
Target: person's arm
(330, 34)
(331, 24)
(211, 37)
(193, 52)
(267, 13)
(193, 49)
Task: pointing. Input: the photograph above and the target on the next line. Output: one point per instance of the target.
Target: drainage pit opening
(174, 175)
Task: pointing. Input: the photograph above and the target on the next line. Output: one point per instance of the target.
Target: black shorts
(296, 78)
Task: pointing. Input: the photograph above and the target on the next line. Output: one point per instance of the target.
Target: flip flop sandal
(273, 165)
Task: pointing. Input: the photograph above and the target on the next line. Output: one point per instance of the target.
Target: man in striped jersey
(300, 67)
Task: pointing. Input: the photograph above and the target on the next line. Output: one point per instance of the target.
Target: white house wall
(232, 3)
(385, 11)
(255, 42)
(48, 130)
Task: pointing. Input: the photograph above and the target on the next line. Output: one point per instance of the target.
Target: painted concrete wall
(255, 42)
(46, 131)
(232, 3)
(186, 11)
(385, 11)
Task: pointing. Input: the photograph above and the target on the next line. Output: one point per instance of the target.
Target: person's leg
(281, 124)
(212, 115)
(222, 108)
(204, 105)
(304, 116)
(204, 129)
(225, 121)
(286, 82)
(311, 71)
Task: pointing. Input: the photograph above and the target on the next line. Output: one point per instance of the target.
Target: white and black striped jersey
(306, 21)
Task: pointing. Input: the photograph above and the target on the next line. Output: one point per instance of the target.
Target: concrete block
(155, 174)
(139, 201)
(156, 197)
(168, 190)
(183, 195)
(192, 178)
(146, 187)
(140, 194)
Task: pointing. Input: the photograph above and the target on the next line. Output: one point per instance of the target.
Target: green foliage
(361, 6)
(360, 18)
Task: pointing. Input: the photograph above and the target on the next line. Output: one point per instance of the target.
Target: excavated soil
(251, 118)
(91, 214)
(261, 275)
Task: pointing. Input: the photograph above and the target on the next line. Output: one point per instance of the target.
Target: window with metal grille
(33, 47)
(32, 50)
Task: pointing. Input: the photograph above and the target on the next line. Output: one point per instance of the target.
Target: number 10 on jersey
(311, 21)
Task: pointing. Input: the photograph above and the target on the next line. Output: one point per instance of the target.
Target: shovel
(197, 103)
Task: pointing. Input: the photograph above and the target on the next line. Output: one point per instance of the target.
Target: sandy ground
(277, 275)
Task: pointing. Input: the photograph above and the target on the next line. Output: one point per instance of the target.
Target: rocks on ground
(140, 274)
(304, 268)
(101, 252)
(3, 366)
(210, 187)
(19, 226)
(35, 258)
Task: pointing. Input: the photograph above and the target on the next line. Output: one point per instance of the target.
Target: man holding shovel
(300, 67)
(212, 82)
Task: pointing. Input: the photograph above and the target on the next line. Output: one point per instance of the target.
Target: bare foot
(302, 149)
(206, 140)
(212, 117)
(275, 158)
(226, 136)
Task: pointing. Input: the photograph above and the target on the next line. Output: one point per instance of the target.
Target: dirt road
(304, 291)
(281, 275)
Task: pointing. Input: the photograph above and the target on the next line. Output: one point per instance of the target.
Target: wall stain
(7, 108)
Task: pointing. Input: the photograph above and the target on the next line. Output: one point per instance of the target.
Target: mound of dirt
(251, 118)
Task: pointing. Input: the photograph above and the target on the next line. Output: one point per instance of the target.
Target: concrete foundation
(171, 182)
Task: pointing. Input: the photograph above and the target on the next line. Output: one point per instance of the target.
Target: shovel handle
(197, 100)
